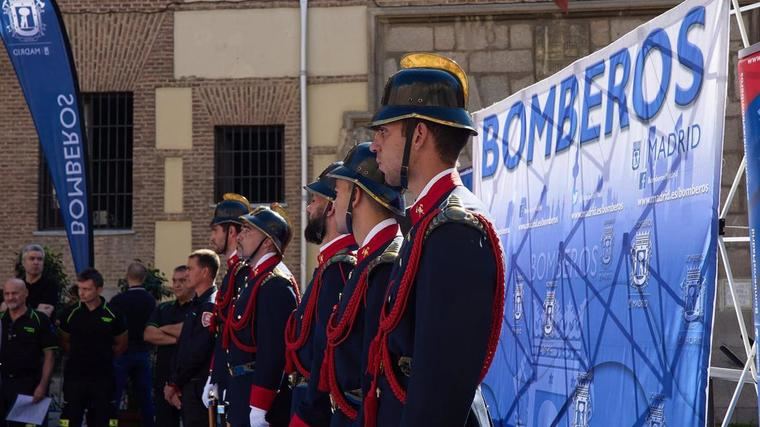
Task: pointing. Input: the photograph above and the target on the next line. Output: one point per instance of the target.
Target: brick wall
(124, 50)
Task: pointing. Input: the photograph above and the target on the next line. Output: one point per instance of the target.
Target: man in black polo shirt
(163, 329)
(196, 342)
(27, 350)
(135, 305)
(92, 334)
(43, 292)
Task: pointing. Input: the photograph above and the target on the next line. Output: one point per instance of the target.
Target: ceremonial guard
(305, 331)
(365, 207)
(441, 319)
(225, 227)
(254, 334)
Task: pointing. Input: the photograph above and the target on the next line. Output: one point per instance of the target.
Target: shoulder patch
(206, 317)
(452, 210)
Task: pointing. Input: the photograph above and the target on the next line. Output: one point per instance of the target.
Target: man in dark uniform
(440, 324)
(43, 290)
(365, 207)
(305, 337)
(135, 306)
(196, 341)
(254, 332)
(162, 330)
(27, 350)
(225, 227)
(92, 334)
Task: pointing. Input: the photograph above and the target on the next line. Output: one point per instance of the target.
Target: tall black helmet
(360, 167)
(324, 185)
(429, 87)
(230, 209)
(272, 221)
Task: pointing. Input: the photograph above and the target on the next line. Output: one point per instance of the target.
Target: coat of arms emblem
(640, 253)
(24, 18)
(608, 240)
(692, 294)
(636, 158)
(549, 313)
(582, 402)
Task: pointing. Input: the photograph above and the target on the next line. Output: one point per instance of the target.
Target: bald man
(27, 348)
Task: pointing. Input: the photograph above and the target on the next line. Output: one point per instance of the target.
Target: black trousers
(9, 390)
(91, 394)
(194, 414)
(166, 414)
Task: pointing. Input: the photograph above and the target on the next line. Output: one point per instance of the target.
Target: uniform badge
(206, 318)
(640, 254)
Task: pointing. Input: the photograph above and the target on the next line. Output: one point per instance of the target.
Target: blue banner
(34, 36)
(603, 181)
(748, 70)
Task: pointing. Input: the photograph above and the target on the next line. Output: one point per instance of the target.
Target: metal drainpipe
(304, 139)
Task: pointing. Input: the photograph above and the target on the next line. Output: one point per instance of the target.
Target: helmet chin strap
(349, 211)
(226, 239)
(404, 173)
(248, 260)
(324, 221)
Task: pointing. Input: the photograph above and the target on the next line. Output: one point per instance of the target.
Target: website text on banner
(748, 69)
(604, 183)
(35, 38)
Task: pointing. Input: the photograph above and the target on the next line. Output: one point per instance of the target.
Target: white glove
(207, 390)
(257, 417)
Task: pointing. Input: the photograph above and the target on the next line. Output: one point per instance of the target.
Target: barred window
(108, 123)
(249, 160)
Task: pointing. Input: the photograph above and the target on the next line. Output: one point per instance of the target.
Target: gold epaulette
(276, 272)
(389, 255)
(238, 266)
(452, 210)
(344, 256)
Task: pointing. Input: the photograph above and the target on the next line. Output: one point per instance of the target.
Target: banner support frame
(722, 240)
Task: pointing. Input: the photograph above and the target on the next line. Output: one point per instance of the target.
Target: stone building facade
(193, 66)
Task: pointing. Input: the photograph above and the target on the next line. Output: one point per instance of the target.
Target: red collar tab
(342, 243)
(232, 261)
(266, 265)
(378, 240)
(429, 201)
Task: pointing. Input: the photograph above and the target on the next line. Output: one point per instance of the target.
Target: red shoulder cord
(233, 325)
(337, 332)
(223, 299)
(379, 354)
(294, 343)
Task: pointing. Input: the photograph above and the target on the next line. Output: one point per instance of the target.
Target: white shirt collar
(327, 245)
(264, 258)
(431, 183)
(377, 228)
